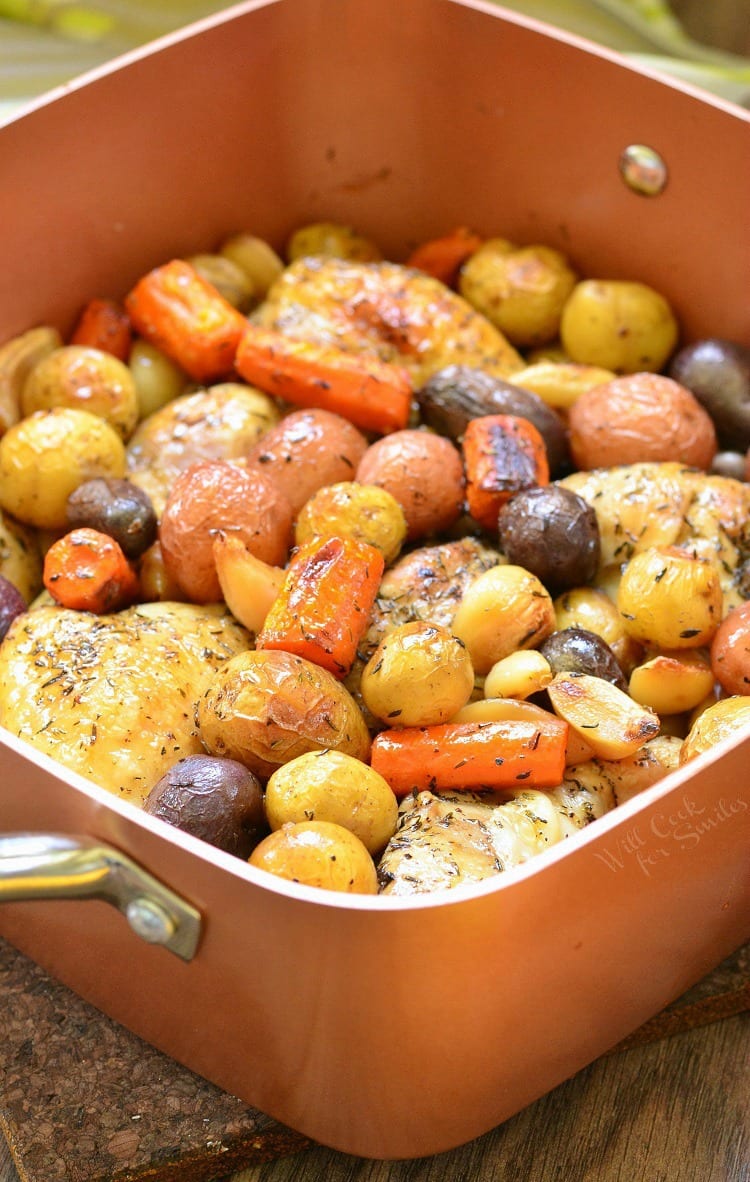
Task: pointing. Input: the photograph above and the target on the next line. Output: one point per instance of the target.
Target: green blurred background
(45, 43)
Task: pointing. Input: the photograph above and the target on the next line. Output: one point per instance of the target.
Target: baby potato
(319, 854)
(552, 532)
(670, 600)
(217, 800)
(219, 423)
(456, 394)
(269, 706)
(157, 378)
(218, 495)
(257, 259)
(349, 509)
(419, 674)
(424, 472)
(307, 450)
(44, 458)
(591, 609)
(87, 379)
(229, 279)
(619, 325)
(717, 372)
(504, 609)
(730, 651)
(640, 417)
(332, 786)
(521, 290)
(577, 650)
(331, 240)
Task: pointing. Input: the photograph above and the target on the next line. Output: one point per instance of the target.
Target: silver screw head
(150, 920)
(643, 170)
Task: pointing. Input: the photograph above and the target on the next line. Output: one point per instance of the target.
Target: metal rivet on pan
(149, 920)
(643, 170)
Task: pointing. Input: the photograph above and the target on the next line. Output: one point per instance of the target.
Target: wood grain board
(82, 1100)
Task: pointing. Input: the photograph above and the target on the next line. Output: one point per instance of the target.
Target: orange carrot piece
(324, 605)
(504, 755)
(87, 570)
(503, 455)
(443, 257)
(184, 315)
(104, 324)
(371, 394)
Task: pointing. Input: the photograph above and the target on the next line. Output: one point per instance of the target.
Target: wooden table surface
(677, 1110)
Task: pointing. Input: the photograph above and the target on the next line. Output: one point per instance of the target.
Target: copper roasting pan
(382, 1027)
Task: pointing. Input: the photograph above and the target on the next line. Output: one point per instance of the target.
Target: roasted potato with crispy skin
(265, 707)
(220, 423)
(113, 697)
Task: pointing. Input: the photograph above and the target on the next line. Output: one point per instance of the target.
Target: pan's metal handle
(58, 866)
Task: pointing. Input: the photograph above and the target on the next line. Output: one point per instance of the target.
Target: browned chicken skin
(400, 315)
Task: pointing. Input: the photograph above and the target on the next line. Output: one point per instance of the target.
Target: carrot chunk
(371, 394)
(323, 608)
(88, 571)
(104, 324)
(511, 753)
(185, 316)
(503, 455)
(443, 257)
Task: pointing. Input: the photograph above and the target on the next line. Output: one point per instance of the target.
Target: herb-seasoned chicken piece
(667, 504)
(389, 311)
(447, 839)
(113, 697)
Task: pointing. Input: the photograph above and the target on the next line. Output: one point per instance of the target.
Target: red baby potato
(639, 417)
(730, 651)
(308, 450)
(214, 496)
(424, 472)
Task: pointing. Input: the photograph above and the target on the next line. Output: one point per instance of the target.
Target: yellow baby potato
(257, 259)
(319, 854)
(504, 609)
(420, 674)
(619, 325)
(86, 379)
(670, 600)
(44, 458)
(227, 277)
(521, 290)
(332, 786)
(331, 240)
(157, 379)
(349, 509)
